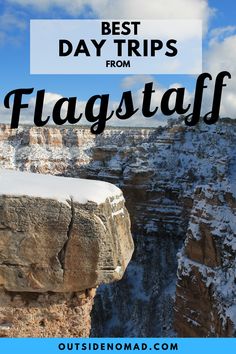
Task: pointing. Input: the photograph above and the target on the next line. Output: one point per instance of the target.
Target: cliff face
(158, 171)
(206, 292)
(60, 238)
(26, 314)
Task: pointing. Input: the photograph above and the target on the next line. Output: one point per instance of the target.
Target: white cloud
(70, 7)
(8, 20)
(220, 33)
(150, 9)
(10, 26)
(131, 81)
(221, 57)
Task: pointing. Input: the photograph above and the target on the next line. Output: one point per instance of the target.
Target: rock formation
(158, 171)
(60, 238)
(206, 292)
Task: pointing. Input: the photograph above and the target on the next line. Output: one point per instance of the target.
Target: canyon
(179, 187)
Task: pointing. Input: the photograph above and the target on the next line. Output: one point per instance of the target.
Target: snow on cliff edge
(59, 188)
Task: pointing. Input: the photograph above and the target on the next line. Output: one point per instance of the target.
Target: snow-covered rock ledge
(61, 234)
(59, 239)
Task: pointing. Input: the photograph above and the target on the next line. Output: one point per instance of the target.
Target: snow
(233, 176)
(118, 269)
(118, 212)
(203, 157)
(231, 313)
(100, 221)
(63, 189)
(118, 200)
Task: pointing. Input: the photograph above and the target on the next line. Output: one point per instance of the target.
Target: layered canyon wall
(158, 171)
(206, 292)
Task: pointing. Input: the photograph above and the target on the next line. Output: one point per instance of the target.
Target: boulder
(61, 234)
(59, 239)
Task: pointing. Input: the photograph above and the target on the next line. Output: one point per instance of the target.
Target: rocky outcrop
(49, 314)
(158, 171)
(206, 290)
(59, 237)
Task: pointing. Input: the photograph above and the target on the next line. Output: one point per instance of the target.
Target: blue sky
(15, 16)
